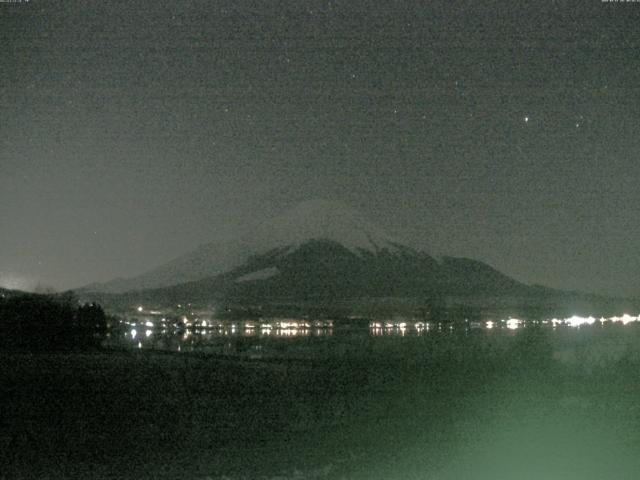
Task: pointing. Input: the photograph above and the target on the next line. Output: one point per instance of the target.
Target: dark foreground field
(534, 406)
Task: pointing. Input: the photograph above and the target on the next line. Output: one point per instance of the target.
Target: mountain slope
(319, 251)
(312, 220)
(322, 253)
(324, 271)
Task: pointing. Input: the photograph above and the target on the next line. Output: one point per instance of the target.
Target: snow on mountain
(323, 220)
(311, 220)
(259, 275)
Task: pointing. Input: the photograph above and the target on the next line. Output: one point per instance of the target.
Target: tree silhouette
(35, 322)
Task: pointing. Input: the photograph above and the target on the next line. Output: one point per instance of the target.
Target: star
(526, 119)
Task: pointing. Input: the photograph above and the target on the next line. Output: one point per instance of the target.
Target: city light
(513, 323)
(576, 321)
(400, 326)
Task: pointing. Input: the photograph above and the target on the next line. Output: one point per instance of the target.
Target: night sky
(509, 132)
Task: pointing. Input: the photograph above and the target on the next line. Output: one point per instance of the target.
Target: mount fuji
(319, 250)
(311, 220)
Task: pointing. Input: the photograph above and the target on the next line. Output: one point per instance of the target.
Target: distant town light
(576, 321)
(626, 318)
(140, 309)
(513, 323)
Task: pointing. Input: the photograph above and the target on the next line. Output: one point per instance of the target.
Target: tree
(35, 322)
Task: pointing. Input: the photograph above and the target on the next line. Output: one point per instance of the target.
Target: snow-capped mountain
(318, 254)
(323, 220)
(311, 220)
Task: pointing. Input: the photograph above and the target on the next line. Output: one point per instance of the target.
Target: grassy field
(535, 405)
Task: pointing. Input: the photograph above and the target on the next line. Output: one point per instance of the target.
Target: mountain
(323, 255)
(311, 220)
(318, 252)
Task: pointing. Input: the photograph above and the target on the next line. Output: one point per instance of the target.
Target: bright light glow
(627, 319)
(576, 321)
(148, 324)
(287, 332)
(148, 333)
(513, 323)
(490, 324)
(286, 324)
(133, 333)
(140, 309)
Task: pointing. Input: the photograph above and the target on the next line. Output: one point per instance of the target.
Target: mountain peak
(323, 220)
(310, 220)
